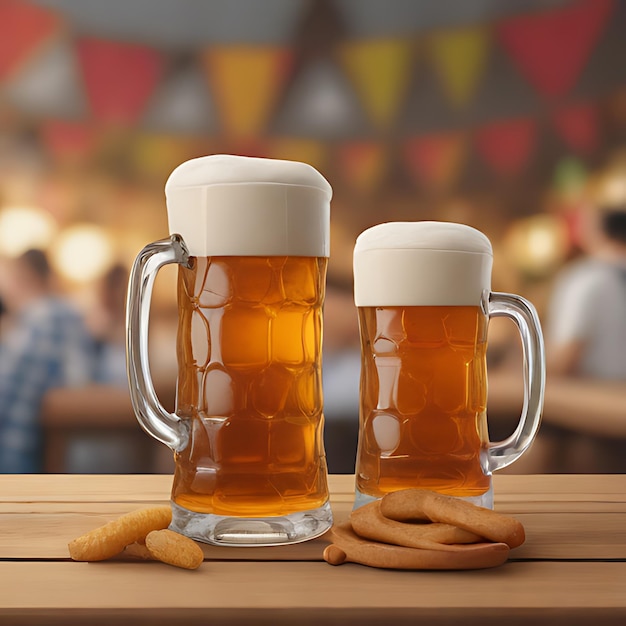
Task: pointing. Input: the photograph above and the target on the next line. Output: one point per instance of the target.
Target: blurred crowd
(586, 341)
(47, 343)
(584, 325)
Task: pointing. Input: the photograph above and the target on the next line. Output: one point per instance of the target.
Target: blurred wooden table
(571, 570)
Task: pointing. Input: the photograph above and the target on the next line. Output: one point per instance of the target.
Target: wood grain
(231, 590)
(562, 521)
(572, 568)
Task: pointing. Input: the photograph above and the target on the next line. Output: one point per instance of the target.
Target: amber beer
(251, 240)
(423, 397)
(249, 342)
(423, 291)
(420, 290)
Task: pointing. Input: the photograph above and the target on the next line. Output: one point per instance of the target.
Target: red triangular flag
(119, 78)
(68, 139)
(507, 145)
(363, 164)
(24, 26)
(578, 126)
(552, 47)
(435, 159)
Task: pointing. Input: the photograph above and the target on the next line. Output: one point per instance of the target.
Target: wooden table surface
(571, 570)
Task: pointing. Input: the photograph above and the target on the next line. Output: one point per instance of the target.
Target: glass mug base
(485, 500)
(219, 530)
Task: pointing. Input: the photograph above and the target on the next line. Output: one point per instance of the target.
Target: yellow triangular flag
(380, 71)
(158, 154)
(246, 82)
(459, 56)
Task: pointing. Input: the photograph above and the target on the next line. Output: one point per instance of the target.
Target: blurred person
(113, 442)
(108, 327)
(110, 447)
(586, 337)
(44, 345)
(587, 318)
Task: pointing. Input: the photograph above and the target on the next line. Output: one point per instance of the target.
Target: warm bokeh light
(537, 244)
(82, 252)
(614, 190)
(22, 228)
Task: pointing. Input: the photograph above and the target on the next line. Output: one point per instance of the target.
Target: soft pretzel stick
(174, 549)
(108, 540)
(348, 547)
(369, 523)
(421, 504)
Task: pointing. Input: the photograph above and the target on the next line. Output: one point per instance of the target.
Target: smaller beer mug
(251, 239)
(423, 292)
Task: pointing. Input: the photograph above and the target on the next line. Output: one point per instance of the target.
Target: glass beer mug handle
(166, 427)
(522, 312)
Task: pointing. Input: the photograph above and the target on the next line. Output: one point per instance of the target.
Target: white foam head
(420, 264)
(224, 205)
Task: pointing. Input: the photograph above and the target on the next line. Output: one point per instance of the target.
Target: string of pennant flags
(435, 99)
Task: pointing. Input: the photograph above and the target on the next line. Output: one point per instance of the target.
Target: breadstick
(110, 539)
(369, 523)
(348, 547)
(420, 504)
(174, 549)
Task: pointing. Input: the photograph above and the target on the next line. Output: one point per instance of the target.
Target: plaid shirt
(49, 347)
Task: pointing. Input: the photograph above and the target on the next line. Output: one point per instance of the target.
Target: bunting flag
(68, 140)
(158, 154)
(578, 126)
(507, 145)
(246, 82)
(380, 71)
(363, 164)
(320, 103)
(119, 78)
(24, 28)
(309, 151)
(181, 104)
(552, 47)
(50, 85)
(570, 178)
(435, 160)
(460, 57)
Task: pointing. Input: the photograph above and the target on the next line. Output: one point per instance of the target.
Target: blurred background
(507, 116)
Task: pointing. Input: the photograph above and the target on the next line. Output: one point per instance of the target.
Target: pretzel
(420, 504)
(369, 523)
(174, 549)
(108, 540)
(348, 547)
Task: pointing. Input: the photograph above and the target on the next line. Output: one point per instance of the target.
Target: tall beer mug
(251, 237)
(423, 292)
